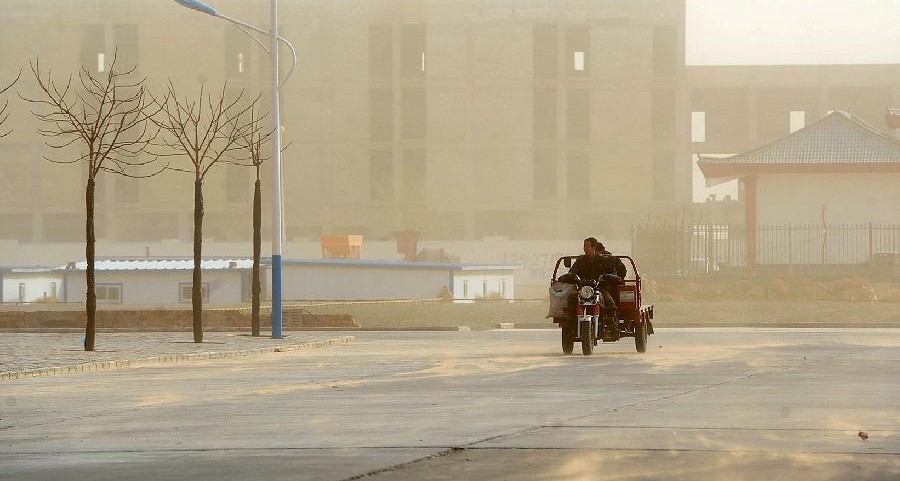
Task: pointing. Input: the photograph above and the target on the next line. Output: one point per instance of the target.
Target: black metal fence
(701, 249)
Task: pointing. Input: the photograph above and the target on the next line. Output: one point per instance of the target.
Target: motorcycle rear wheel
(640, 337)
(568, 337)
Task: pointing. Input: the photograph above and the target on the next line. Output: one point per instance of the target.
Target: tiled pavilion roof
(838, 139)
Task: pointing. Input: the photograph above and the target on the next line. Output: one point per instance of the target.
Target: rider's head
(590, 247)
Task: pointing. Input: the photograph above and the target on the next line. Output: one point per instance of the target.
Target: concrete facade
(500, 130)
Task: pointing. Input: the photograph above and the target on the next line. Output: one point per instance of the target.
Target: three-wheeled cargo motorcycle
(577, 306)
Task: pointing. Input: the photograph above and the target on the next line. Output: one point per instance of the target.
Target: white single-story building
(838, 172)
(226, 282)
(160, 282)
(356, 279)
(31, 284)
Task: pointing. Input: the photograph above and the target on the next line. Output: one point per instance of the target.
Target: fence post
(680, 237)
(790, 248)
(871, 245)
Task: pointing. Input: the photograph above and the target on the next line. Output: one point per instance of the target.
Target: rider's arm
(577, 267)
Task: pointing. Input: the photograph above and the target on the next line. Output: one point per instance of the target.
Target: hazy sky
(754, 32)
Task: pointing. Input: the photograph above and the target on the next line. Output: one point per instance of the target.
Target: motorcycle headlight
(586, 292)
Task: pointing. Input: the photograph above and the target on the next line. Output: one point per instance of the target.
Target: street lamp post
(278, 199)
(277, 216)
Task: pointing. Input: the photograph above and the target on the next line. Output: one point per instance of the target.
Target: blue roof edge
(397, 264)
(372, 263)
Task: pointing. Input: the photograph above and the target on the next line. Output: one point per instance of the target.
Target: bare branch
(120, 169)
(206, 129)
(252, 139)
(106, 115)
(48, 159)
(4, 113)
(4, 89)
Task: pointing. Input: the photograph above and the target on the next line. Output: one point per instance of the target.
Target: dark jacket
(592, 268)
(621, 270)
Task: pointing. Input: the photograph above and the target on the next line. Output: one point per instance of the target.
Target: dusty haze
(502, 131)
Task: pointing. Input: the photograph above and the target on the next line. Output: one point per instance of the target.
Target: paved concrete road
(25, 354)
(700, 404)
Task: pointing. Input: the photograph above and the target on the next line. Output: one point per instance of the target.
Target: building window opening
(578, 176)
(727, 191)
(579, 61)
(578, 44)
(412, 50)
(698, 126)
(21, 292)
(545, 47)
(798, 120)
(101, 62)
(240, 63)
(185, 294)
(108, 292)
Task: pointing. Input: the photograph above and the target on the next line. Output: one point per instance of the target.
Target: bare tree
(105, 117)
(4, 114)
(206, 130)
(251, 142)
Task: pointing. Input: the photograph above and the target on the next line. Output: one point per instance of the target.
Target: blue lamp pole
(278, 199)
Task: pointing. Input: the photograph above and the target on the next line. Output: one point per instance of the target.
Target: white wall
(304, 282)
(495, 283)
(845, 198)
(852, 200)
(37, 286)
(161, 288)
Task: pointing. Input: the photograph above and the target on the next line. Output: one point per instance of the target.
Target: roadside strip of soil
(477, 315)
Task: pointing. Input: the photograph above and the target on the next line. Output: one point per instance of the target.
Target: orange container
(341, 246)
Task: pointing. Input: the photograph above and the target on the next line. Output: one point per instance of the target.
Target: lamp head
(198, 6)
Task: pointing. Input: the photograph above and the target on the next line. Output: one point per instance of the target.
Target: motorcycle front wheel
(587, 338)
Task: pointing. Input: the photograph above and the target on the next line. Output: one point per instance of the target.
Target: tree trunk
(91, 300)
(257, 241)
(197, 285)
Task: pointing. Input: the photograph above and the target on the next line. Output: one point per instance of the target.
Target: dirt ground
(713, 301)
(773, 301)
(487, 314)
(771, 288)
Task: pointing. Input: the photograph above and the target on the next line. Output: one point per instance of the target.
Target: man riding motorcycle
(599, 267)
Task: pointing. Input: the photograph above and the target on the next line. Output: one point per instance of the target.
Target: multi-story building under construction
(526, 119)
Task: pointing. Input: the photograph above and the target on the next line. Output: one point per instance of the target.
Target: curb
(56, 330)
(174, 358)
